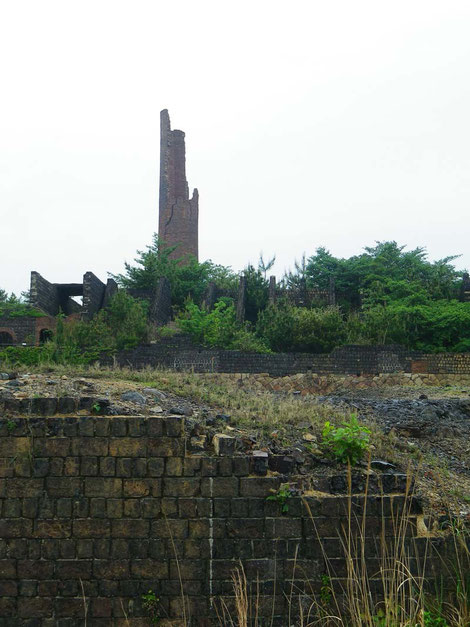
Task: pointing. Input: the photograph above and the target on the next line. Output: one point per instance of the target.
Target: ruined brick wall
(178, 213)
(43, 294)
(93, 295)
(120, 506)
(160, 304)
(27, 330)
(180, 353)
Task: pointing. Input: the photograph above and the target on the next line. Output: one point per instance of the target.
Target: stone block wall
(93, 295)
(160, 304)
(43, 294)
(27, 330)
(97, 511)
(180, 353)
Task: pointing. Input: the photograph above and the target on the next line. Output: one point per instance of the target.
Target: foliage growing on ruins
(289, 328)
(347, 443)
(13, 307)
(122, 325)
(380, 273)
(188, 280)
(218, 327)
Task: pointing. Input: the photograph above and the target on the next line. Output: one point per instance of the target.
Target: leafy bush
(218, 327)
(122, 325)
(288, 328)
(347, 443)
(14, 307)
(442, 325)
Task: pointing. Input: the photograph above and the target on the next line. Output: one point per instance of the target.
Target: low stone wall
(327, 384)
(97, 511)
(180, 353)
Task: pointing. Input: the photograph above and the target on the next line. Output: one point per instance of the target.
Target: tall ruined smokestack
(178, 214)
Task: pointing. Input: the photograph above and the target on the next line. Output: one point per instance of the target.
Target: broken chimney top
(178, 213)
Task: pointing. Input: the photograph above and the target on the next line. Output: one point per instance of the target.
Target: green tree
(257, 292)
(359, 278)
(189, 280)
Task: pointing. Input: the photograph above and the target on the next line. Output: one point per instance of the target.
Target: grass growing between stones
(392, 579)
(284, 419)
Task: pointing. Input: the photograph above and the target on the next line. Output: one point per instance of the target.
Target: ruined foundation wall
(180, 353)
(43, 294)
(93, 295)
(120, 506)
(26, 330)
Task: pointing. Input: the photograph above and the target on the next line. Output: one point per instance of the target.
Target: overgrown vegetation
(219, 328)
(387, 583)
(347, 443)
(384, 295)
(13, 307)
(123, 324)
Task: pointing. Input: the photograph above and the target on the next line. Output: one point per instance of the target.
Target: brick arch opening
(45, 335)
(7, 337)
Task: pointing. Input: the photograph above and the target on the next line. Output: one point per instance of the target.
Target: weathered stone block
(130, 528)
(149, 569)
(262, 486)
(103, 486)
(34, 608)
(183, 486)
(7, 569)
(220, 486)
(165, 447)
(170, 528)
(127, 447)
(223, 444)
(174, 467)
(155, 467)
(91, 528)
(173, 426)
(21, 487)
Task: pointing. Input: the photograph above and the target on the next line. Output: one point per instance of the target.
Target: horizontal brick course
(124, 508)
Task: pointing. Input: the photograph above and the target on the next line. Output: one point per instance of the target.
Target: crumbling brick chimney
(178, 213)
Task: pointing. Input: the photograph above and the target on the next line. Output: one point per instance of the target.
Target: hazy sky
(308, 123)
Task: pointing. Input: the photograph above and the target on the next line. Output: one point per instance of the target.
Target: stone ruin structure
(53, 298)
(178, 213)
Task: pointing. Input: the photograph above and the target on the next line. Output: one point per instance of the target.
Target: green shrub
(218, 327)
(123, 324)
(288, 328)
(347, 443)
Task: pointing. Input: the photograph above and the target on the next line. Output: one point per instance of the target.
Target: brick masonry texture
(180, 354)
(178, 213)
(26, 330)
(118, 506)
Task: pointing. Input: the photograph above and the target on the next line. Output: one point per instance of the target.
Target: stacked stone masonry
(97, 511)
(178, 213)
(26, 330)
(180, 353)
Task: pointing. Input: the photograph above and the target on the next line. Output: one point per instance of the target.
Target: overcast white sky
(308, 123)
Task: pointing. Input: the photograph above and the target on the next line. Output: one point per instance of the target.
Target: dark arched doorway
(45, 335)
(6, 339)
